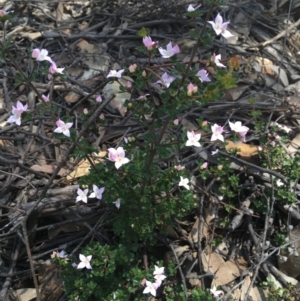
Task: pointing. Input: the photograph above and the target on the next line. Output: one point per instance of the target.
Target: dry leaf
(229, 271)
(48, 169)
(26, 294)
(212, 262)
(244, 150)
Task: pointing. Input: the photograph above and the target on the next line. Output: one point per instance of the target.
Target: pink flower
(45, 98)
(179, 167)
(193, 139)
(204, 165)
(191, 89)
(220, 28)
(82, 195)
(216, 59)
(203, 75)
(273, 143)
(17, 113)
(85, 111)
(143, 282)
(149, 43)
(239, 128)
(41, 55)
(115, 73)
(63, 127)
(170, 51)
(176, 121)
(217, 133)
(54, 70)
(151, 288)
(99, 98)
(132, 68)
(117, 156)
(97, 192)
(166, 80)
(128, 84)
(3, 12)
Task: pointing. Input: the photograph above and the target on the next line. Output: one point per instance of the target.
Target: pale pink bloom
(239, 128)
(203, 75)
(85, 262)
(3, 12)
(63, 127)
(115, 73)
(170, 51)
(151, 288)
(184, 182)
(128, 84)
(166, 80)
(74, 265)
(214, 292)
(191, 8)
(191, 89)
(85, 111)
(179, 167)
(216, 59)
(99, 98)
(176, 121)
(149, 43)
(17, 113)
(54, 70)
(97, 192)
(277, 137)
(41, 55)
(117, 203)
(125, 139)
(143, 282)
(82, 195)
(45, 98)
(132, 68)
(273, 143)
(204, 165)
(159, 278)
(217, 133)
(204, 123)
(259, 148)
(117, 156)
(193, 139)
(102, 117)
(220, 28)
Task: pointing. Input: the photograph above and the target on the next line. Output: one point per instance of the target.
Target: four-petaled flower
(166, 80)
(239, 128)
(45, 98)
(117, 156)
(151, 288)
(192, 8)
(193, 139)
(85, 262)
(184, 182)
(170, 51)
(41, 55)
(214, 292)
(17, 113)
(115, 73)
(54, 70)
(203, 75)
(82, 195)
(158, 270)
(216, 59)
(149, 43)
(191, 89)
(217, 133)
(63, 127)
(97, 192)
(220, 28)
(99, 98)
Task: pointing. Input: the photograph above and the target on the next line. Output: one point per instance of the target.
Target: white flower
(82, 195)
(17, 113)
(63, 127)
(220, 27)
(192, 8)
(115, 73)
(166, 80)
(117, 156)
(184, 182)
(214, 292)
(151, 288)
(85, 262)
(279, 183)
(170, 51)
(193, 139)
(117, 203)
(217, 133)
(97, 192)
(216, 59)
(54, 70)
(158, 270)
